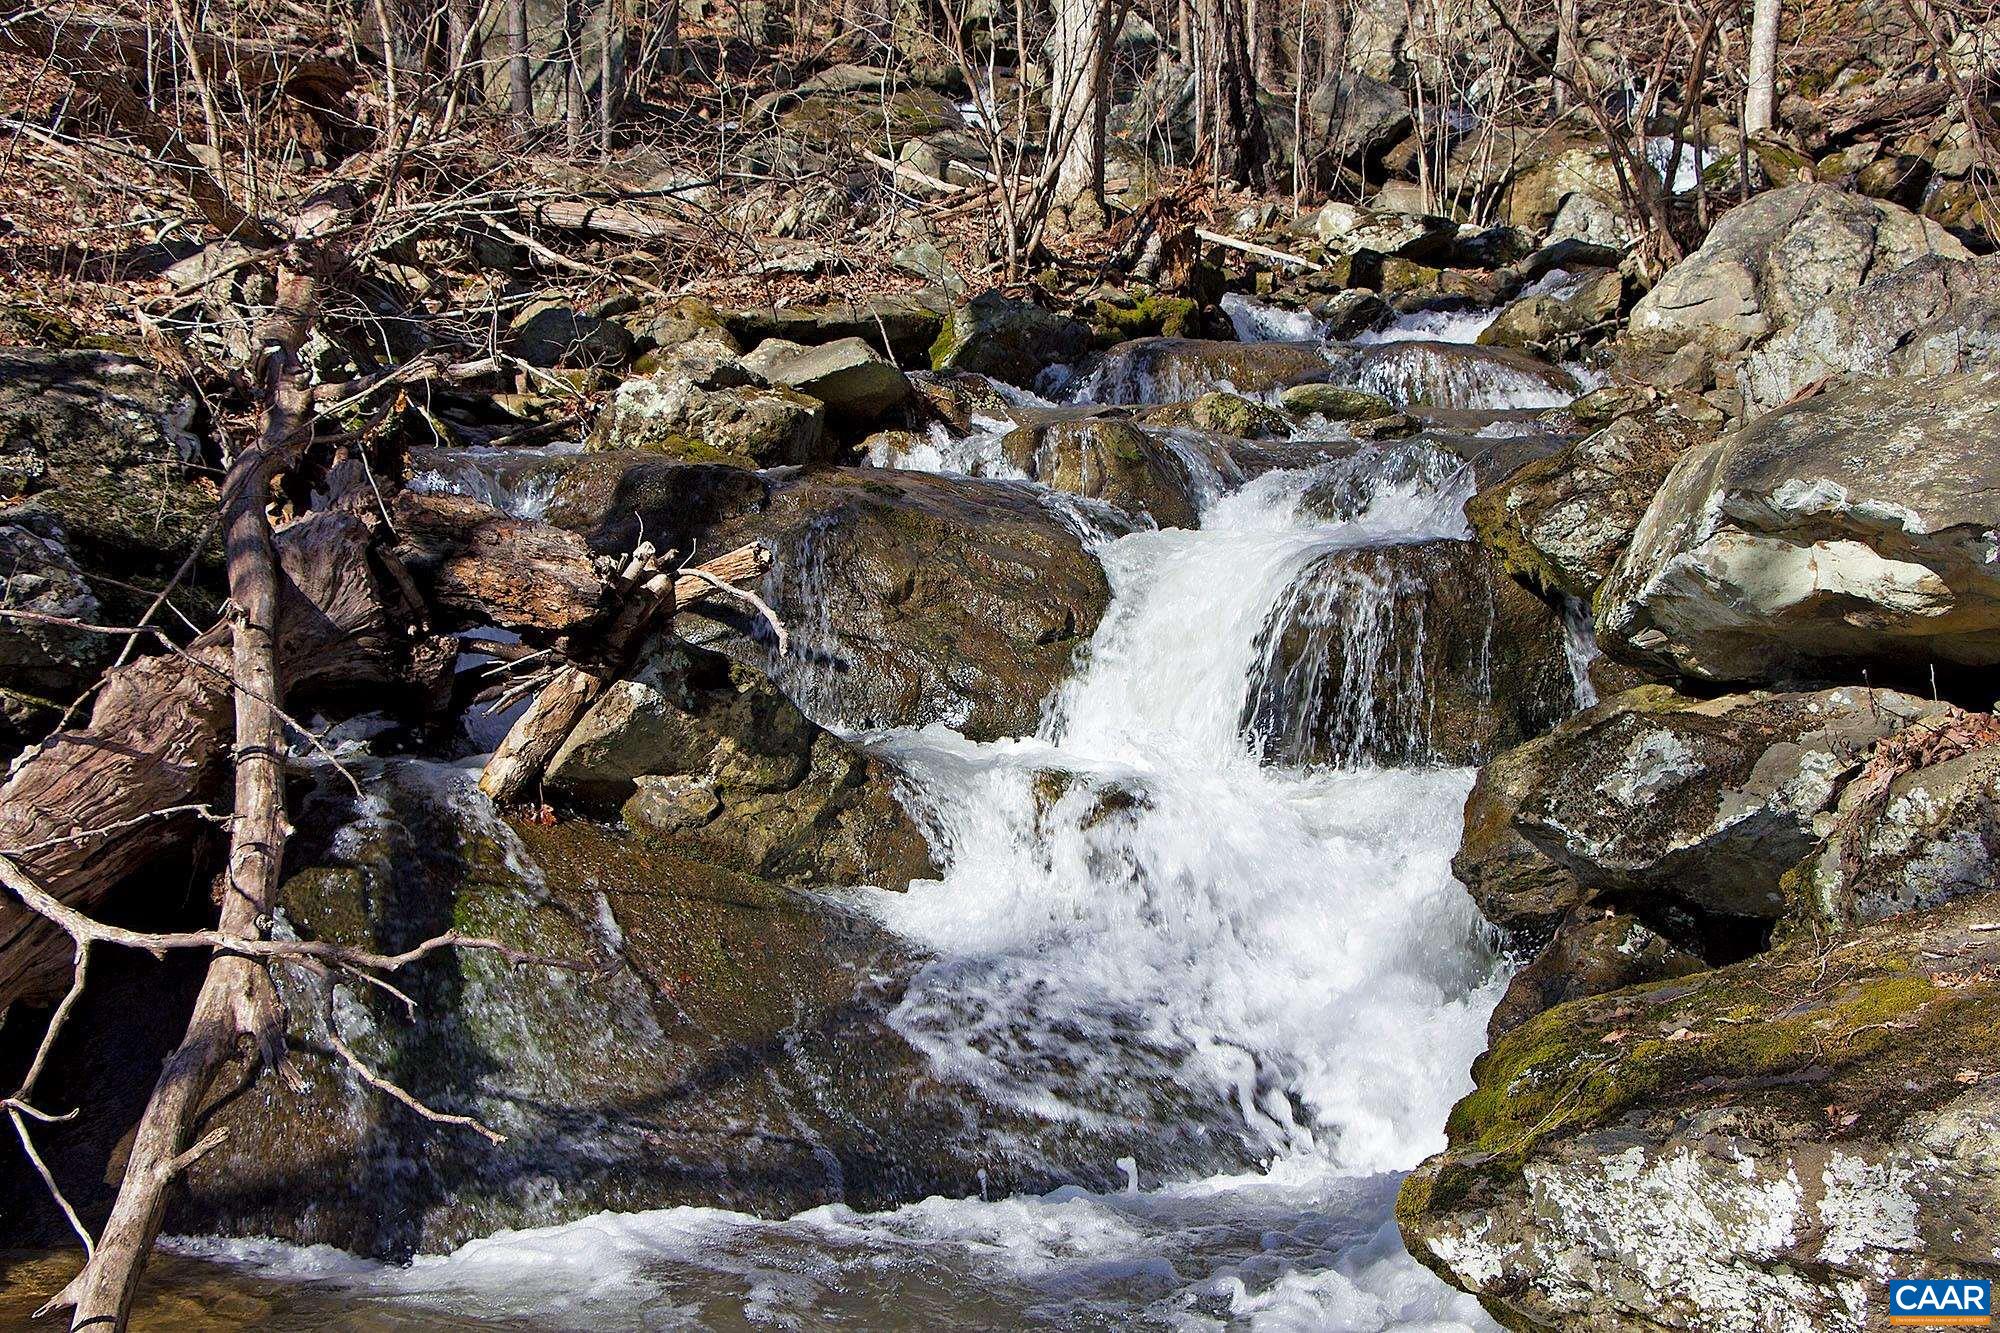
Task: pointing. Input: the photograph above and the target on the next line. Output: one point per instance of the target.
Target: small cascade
(1260, 321)
(1448, 375)
(518, 482)
(977, 453)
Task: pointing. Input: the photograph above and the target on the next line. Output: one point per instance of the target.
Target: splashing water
(1259, 321)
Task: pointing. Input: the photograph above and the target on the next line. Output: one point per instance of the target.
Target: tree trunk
(520, 77)
(1240, 144)
(1761, 96)
(1081, 50)
(1566, 42)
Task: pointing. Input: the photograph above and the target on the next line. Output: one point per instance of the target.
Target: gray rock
(1335, 403)
(1542, 320)
(1852, 528)
(854, 381)
(1113, 460)
(1932, 316)
(745, 424)
(1754, 1148)
(43, 667)
(1165, 370)
(1771, 261)
(1679, 803)
(1419, 653)
(1594, 951)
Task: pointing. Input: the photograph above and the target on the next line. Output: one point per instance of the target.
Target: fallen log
(477, 564)
(648, 593)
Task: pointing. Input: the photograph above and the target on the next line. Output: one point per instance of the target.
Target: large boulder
(1109, 459)
(551, 333)
(857, 384)
(1932, 316)
(1171, 370)
(914, 598)
(1421, 653)
(1009, 340)
(708, 756)
(910, 322)
(1351, 117)
(1691, 810)
(1772, 260)
(1560, 523)
(1849, 531)
(1757, 1147)
(101, 445)
(1543, 320)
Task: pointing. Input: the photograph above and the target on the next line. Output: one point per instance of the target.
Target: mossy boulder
(1144, 315)
(1418, 653)
(746, 424)
(1561, 523)
(1776, 1137)
(1221, 414)
(1595, 949)
(858, 384)
(1109, 459)
(1335, 402)
(1007, 339)
(708, 757)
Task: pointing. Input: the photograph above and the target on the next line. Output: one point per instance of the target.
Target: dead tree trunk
(1240, 144)
(1761, 94)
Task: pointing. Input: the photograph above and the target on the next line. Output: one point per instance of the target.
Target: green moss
(1117, 319)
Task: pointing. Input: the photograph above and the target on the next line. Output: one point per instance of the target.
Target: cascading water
(1143, 923)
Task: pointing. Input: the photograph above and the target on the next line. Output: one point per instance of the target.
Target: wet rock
(1772, 260)
(1109, 459)
(617, 499)
(1769, 1140)
(1335, 402)
(1351, 313)
(1681, 804)
(1007, 339)
(1851, 528)
(854, 381)
(100, 445)
(707, 418)
(1517, 886)
(1420, 653)
(1166, 370)
(1221, 414)
(726, 1044)
(1919, 828)
(1594, 951)
(708, 756)
(43, 667)
(549, 333)
(914, 598)
(1932, 316)
(1561, 523)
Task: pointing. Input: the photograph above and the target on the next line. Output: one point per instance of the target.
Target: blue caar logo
(1941, 1300)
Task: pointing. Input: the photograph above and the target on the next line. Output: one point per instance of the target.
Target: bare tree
(1760, 97)
(1079, 93)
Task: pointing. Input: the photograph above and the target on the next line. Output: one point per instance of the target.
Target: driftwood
(475, 563)
(646, 592)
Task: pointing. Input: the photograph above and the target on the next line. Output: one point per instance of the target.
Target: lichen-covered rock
(1681, 804)
(1109, 459)
(1772, 260)
(1007, 339)
(1545, 319)
(1919, 828)
(1854, 530)
(1560, 523)
(706, 755)
(1932, 316)
(1593, 951)
(695, 419)
(1517, 886)
(1748, 1150)
(43, 666)
(914, 598)
(1420, 653)
(857, 383)
(100, 444)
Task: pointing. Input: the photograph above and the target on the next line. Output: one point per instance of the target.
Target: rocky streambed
(1338, 829)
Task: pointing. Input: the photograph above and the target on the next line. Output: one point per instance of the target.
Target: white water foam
(1260, 321)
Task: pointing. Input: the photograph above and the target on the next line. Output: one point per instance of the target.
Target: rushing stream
(1142, 921)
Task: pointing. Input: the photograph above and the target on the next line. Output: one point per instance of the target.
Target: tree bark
(1241, 145)
(1761, 95)
(1081, 66)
